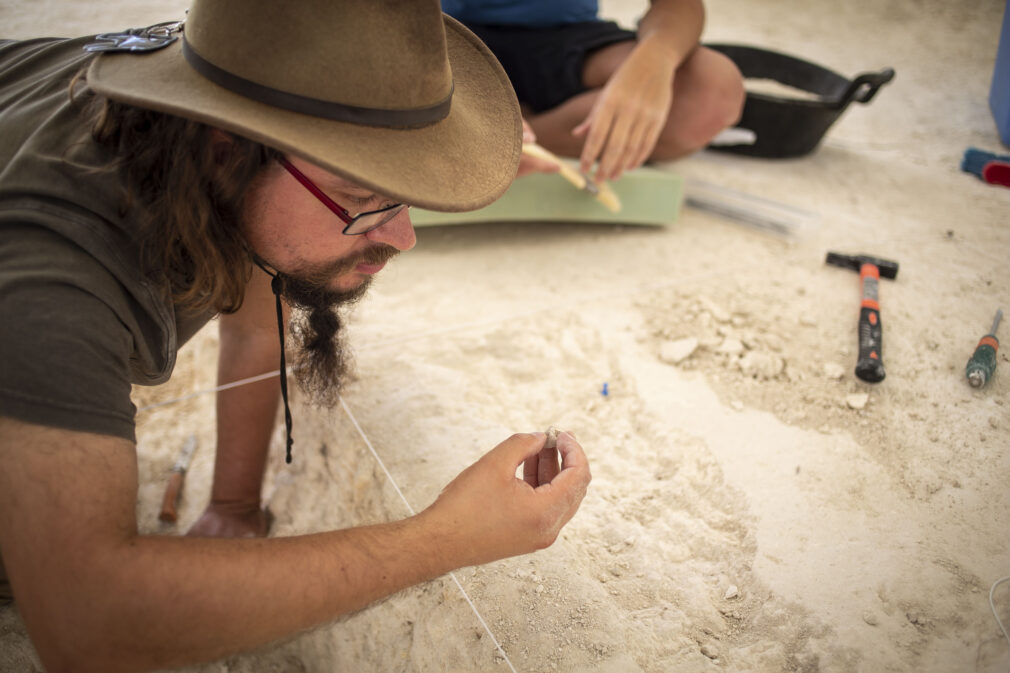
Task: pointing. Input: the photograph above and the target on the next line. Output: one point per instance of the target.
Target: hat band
(316, 107)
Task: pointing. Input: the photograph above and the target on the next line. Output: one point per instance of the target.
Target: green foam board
(648, 197)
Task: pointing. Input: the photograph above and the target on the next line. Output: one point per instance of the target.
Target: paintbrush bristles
(608, 198)
(601, 191)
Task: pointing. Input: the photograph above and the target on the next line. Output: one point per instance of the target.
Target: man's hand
(625, 122)
(231, 520)
(486, 513)
(531, 164)
(542, 467)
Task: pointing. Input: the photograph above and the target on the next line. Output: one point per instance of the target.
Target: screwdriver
(982, 364)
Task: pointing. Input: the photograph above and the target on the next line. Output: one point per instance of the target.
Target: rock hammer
(870, 365)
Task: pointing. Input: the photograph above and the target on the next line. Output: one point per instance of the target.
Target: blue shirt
(529, 13)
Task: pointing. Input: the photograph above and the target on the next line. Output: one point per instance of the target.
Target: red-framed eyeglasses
(362, 223)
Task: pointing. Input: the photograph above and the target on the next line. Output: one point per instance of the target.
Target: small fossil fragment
(552, 438)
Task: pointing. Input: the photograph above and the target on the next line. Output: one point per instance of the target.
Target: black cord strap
(275, 285)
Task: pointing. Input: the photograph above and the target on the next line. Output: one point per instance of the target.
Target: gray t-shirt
(80, 322)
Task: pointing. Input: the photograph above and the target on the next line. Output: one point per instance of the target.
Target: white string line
(410, 509)
(458, 327)
(992, 605)
(226, 386)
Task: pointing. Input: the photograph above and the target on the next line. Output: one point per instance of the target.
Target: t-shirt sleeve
(65, 353)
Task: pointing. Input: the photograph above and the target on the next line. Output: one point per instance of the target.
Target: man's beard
(323, 360)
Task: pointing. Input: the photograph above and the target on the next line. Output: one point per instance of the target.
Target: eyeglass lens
(373, 220)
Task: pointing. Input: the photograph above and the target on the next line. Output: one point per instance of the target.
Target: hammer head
(887, 268)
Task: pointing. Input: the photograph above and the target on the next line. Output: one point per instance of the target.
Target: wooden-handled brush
(175, 480)
(600, 190)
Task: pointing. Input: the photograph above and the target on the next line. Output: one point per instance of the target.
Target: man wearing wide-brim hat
(261, 156)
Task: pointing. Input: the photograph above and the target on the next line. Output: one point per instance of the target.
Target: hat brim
(462, 162)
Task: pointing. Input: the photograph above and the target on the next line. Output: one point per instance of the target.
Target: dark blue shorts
(545, 64)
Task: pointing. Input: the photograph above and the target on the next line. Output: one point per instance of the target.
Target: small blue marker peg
(604, 391)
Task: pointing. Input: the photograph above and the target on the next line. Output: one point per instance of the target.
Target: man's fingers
(640, 146)
(517, 449)
(572, 455)
(614, 153)
(540, 466)
(531, 470)
(547, 466)
(529, 136)
(602, 120)
(567, 490)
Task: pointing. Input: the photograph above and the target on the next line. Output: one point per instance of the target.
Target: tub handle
(864, 88)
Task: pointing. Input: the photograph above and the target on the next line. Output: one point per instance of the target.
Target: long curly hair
(188, 191)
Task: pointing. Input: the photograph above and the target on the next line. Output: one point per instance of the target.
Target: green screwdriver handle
(982, 364)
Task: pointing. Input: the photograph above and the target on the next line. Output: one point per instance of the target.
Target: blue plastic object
(999, 93)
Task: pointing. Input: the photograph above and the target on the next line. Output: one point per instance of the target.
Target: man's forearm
(673, 27)
(95, 595)
(157, 602)
(249, 346)
(245, 421)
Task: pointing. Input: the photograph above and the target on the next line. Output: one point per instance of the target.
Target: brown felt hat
(392, 95)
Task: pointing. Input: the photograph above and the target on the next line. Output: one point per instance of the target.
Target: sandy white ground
(754, 506)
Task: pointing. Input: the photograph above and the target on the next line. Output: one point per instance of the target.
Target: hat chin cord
(276, 284)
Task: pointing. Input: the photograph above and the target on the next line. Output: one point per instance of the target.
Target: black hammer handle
(870, 365)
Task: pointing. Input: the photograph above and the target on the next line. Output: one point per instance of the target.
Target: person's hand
(231, 520)
(530, 164)
(487, 513)
(541, 467)
(624, 124)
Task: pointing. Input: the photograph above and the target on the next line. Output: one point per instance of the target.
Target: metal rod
(995, 323)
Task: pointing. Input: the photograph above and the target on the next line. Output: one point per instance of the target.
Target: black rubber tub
(791, 127)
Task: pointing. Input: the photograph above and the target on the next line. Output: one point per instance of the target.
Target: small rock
(738, 321)
(737, 405)
(773, 342)
(833, 370)
(749, 341)
(710, 650)
(718, 312)
(870, 618)
(857, 400)
(552, 438)
(674, 352)
(731, 346)
(761, 365)
(807, 321)
(731, 592)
